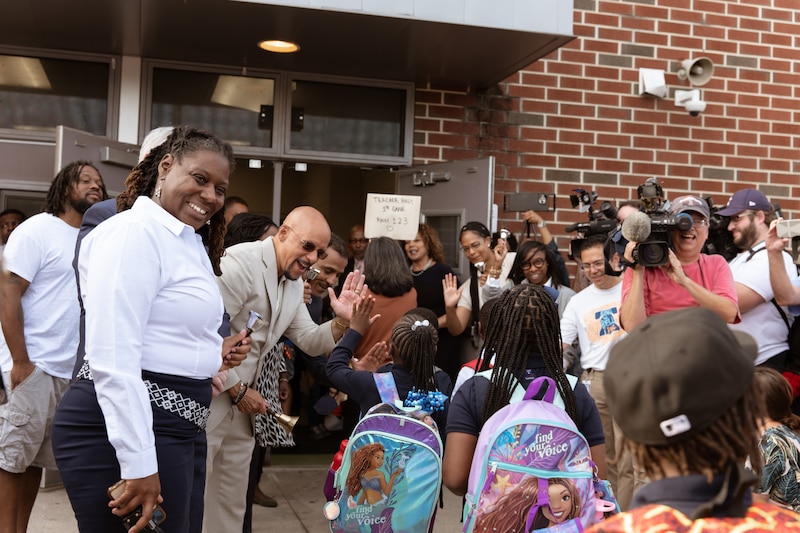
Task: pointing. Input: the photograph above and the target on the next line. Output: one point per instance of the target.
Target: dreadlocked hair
(730, 439)
(524, 320)
(57, 193)
(142, 180)
(414, 345)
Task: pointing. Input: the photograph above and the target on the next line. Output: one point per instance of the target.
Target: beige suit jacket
(250, 281)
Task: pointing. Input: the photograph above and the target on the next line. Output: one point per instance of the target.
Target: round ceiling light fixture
(278, 46)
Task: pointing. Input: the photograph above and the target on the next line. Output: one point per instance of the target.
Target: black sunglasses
(306, 245)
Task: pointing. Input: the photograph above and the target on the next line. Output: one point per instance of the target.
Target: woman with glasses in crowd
(489, 268)
(535, 263)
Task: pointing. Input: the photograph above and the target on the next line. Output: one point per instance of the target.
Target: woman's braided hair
(414, 345)
(524, 320)
(142, 180)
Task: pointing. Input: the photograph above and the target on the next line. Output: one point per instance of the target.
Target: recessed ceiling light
(281, 47)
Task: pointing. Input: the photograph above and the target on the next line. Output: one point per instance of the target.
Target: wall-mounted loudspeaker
(697, 71)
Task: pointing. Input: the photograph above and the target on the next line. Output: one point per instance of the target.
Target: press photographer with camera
(750, 215)
(688, 279)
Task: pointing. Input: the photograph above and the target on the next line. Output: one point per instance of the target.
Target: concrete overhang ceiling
(224, 32)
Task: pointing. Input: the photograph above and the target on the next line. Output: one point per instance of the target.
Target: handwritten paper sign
(392, 215)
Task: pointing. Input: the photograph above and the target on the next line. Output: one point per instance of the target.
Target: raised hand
(376, 357)
(774, 243)
(353, 290)
(452, 292)
(360, 320)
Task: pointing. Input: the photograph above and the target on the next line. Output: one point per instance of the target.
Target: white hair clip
(417, 324)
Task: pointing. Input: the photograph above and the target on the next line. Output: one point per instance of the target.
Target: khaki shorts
(25, 422)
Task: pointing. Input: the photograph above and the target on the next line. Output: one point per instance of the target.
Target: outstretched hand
(376, 357)
(452, 292)
(360, 319)
(353, 290)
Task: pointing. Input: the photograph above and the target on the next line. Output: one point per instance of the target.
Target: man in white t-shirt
(750, 215)
(40, 324)
(592, 316)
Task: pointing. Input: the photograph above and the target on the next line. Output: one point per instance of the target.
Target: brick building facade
(575, 119)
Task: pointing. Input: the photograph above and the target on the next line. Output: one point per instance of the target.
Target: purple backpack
(390, 476)
(531, 471)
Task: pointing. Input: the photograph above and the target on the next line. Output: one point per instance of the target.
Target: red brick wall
(575, 119)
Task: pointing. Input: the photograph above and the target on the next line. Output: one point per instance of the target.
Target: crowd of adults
(154, 338)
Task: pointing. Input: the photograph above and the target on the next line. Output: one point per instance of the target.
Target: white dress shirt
(152, 303)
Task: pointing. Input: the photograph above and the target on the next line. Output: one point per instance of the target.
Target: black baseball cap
(676, 374)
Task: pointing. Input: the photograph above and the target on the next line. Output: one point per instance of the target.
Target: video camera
(720, 240)
(650, 229)
(603, 220)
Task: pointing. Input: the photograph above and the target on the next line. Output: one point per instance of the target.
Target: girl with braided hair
(524, 335)
(412, 348)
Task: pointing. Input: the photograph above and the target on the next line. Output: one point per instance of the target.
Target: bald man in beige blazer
(265, 277)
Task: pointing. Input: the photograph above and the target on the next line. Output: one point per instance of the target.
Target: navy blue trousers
(88, 464)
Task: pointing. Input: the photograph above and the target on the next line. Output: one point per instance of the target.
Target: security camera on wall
(695, 107)
(692, 101)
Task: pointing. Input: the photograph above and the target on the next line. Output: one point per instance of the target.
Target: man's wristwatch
(542, 224)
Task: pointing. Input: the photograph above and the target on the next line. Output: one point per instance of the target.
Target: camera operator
(689, 279)
(750, 215)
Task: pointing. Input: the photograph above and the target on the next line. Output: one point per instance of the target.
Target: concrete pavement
(298, 490)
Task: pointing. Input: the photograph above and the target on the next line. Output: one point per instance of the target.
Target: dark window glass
(38, 94)
(237, 108)
(351, 119)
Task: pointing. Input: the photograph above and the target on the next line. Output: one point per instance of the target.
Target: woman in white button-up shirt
(153, 309)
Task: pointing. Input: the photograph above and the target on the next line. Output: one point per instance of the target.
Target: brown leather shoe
(259, 498)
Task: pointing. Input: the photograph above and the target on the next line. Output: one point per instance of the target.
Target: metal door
(452, 194)
(113, 159)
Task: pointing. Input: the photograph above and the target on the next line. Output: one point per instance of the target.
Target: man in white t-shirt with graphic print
(592, 316)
